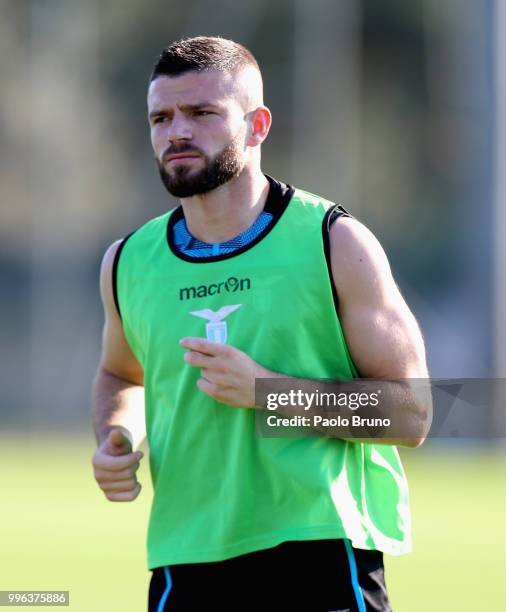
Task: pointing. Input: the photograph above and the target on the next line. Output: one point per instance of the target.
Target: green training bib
(221, 490)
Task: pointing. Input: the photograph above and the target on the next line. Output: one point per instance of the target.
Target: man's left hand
(226, 373)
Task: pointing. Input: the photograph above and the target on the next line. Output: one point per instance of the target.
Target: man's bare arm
(383, 338)
(117, 401)
(118, 391)
(382, 334)
(117, 404)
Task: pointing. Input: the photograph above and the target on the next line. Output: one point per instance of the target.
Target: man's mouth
(182, 157)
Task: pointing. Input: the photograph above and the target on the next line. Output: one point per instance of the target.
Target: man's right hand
(115, 467)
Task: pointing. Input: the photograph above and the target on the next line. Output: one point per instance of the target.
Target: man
(242, 282)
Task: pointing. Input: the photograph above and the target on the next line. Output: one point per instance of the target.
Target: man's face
(198, 131)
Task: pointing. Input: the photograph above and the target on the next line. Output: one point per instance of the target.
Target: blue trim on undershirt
(192, 247)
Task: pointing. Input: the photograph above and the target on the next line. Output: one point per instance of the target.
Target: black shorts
(310, 576)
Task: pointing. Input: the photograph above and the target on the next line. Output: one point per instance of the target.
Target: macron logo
(231, 285)
(216, 329)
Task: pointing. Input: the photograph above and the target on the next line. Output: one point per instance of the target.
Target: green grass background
(57, 531)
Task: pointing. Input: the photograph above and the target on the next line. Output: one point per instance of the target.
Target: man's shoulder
(351, 234)
(357, 257)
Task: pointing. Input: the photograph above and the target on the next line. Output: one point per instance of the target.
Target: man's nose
(179, 128)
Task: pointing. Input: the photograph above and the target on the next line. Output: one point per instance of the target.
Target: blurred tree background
(394, 109)
(386, 107)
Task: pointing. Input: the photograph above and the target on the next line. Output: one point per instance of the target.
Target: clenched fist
(115, 467)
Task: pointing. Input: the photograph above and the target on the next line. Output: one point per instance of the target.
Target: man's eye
(159, 119)
(202, 113)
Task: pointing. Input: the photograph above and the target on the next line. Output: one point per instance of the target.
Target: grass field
(57, 531)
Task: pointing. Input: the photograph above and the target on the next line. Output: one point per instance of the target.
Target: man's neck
(227, 211)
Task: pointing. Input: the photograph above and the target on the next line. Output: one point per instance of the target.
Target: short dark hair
(202, 53)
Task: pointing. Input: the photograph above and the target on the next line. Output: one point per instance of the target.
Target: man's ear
(260, 121)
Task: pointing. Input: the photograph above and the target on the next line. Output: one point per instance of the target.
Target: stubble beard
(182, 182)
